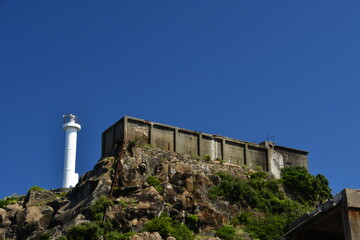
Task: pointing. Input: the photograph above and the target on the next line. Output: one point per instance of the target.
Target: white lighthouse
(71, 126)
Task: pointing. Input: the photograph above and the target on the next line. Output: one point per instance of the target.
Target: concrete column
(151, 133)
(200, 147)
(223, 149)
(268, 160)
(176, 132)
(125, 129)
(246, 154)
(213, 149)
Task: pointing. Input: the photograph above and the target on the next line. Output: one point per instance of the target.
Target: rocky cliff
(151, 182)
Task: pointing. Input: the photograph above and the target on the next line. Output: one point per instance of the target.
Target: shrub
(44, 236)
(215, 192)
(308, 189)
(269, 228)
(113, 235)
(207, 157)
(193, 218)
(226, 232)
(155, 182)
(85, 231)
(37, 188)
(8, 200)
(264, 195)
(242, 218)
(97, 210)
(192, 221)
(162, 225)
(181, 231)
(166, 227)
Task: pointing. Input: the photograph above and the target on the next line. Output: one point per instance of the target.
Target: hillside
(168, 194)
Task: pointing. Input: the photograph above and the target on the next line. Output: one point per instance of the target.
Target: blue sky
(242, 69)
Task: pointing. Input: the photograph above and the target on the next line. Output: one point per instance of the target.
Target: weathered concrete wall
(234, 152)
(162, 137)
(269, 157)
(293, 157)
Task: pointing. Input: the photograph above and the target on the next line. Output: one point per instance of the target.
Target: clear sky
(242, 69)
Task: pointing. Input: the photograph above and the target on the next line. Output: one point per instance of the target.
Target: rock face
(182, 192)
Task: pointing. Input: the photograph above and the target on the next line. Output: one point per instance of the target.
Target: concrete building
(338, 219)
(267, 155)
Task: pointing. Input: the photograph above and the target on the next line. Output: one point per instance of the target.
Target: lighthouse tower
(71, 126)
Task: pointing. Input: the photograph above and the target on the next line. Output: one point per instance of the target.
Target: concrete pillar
(200, 147)
(125, 129)
(213, 149)
(176, 138)
(151, 133)
(223, 149)
(268, 160)
(246, 154)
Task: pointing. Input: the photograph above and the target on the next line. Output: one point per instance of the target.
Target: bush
(193, 218)
(97, 210)
(8, 200)
(162, 225)
(269, 228)
(85, 231)
(207, 157)
(265, 195)
(166, 227)
(226, 232)
(192, 221)
(155, 182)
(113, 235)
(243, 218)
(44, 236)
(181, 231)
(37, 188)
(307, 188)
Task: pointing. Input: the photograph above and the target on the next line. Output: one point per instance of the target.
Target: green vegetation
(58, 195)
(166, 227)
(97, 210)
(271, 227)
(85, 231)
(146, 145)
(308, 189)
(264, 195)
(96, 230)
(192, 221)
(62, 194)
(44, 236)
(8, 201)
(37, 188)
(207, 157)
(113, 235)
(155, 182)
(193, 218)
(227, 232)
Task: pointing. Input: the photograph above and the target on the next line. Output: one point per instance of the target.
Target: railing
(71, 118)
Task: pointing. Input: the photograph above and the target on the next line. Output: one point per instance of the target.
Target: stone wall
(266, 155)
